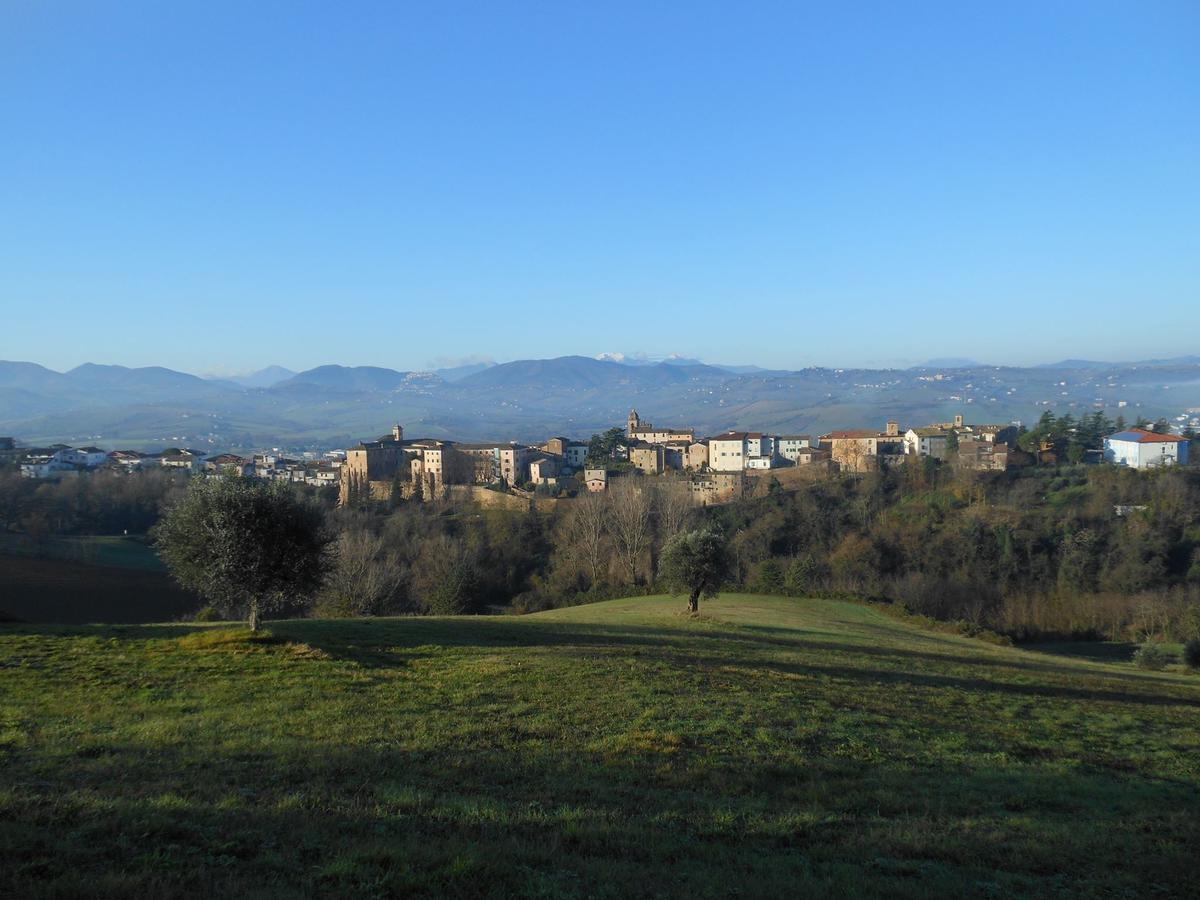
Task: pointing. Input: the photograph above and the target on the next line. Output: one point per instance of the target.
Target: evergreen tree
(244, 546)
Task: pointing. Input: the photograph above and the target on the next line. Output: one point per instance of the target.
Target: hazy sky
(216, 186)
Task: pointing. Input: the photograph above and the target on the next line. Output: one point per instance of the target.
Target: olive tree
(245, 547)
(695, 563)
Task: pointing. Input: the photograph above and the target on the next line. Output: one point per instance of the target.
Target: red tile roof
(1142, 436)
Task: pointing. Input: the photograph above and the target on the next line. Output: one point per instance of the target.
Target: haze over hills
(333, 405)
(263, 378)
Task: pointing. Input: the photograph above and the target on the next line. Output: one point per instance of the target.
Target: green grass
(772, 747)
(119, 551)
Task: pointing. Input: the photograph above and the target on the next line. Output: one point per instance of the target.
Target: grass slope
(772, 747)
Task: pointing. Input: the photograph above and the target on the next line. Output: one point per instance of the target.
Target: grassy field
(772, 747)
(36, 589)
(89, 578)
(120, 551)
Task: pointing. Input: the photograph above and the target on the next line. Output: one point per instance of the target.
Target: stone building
(982, 456)
(862, 449)
(638, 430)
(372, 467)
(649, 458)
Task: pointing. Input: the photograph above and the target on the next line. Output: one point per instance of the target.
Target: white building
(728, 452)
(788, 446)
(931, 441)
(181, 459)
(89, 457)
(1142, 449)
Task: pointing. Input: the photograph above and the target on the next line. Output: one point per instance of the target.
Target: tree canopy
(244, 546)
(695, 563)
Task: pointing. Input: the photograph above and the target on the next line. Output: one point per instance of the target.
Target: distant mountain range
(333, 405)
(263, 378)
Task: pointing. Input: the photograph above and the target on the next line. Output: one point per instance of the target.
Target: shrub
(1151, 656)
(1191, 653)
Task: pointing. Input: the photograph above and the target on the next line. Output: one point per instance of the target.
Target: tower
(633, 423)
(397, 433)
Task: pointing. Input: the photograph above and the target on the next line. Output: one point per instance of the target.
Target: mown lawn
(772, 747)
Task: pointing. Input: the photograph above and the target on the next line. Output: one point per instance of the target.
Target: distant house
(572, 453)
(728, 452)
(930, 441)
(982, 456)
(649, 458)
(543, 469)
(789, 446)
(91, 457)
(41, 464)
(812, 456)
(229, 462)
(129, 460)
(996, 434)
(863, 449)
(1138, 448)
(175, 458)
(636, 429)
(596, 480)
(60, 460)
(575, 454)
(717, 487)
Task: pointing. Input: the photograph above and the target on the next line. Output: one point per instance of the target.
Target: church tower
(633, 423)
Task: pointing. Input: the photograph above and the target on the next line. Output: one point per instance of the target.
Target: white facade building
(1138, 448)
(729, 452)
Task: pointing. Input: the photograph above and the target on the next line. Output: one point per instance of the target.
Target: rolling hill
(772, 747)
(347, 378)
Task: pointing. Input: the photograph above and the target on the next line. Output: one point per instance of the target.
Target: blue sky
(222, 185)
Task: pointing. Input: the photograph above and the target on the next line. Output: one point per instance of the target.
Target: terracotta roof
(851, 433)
(737, 436)
(1142, 436)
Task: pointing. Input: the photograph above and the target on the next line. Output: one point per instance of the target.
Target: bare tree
(630, 520)
(586, 528)
(365, 578)
(446, 576)
(674, 506)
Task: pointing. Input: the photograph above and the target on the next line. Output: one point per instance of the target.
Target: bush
(1191, 653)
(1152, 657)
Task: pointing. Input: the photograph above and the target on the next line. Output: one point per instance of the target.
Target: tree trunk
(694, 602)
(253, 616)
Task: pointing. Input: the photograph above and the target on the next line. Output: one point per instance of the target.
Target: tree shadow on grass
(1095, 651)
(385, 642)
(392, 643)
(980, 685)
(312, 817)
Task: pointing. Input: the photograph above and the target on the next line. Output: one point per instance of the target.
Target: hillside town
(716, 469)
